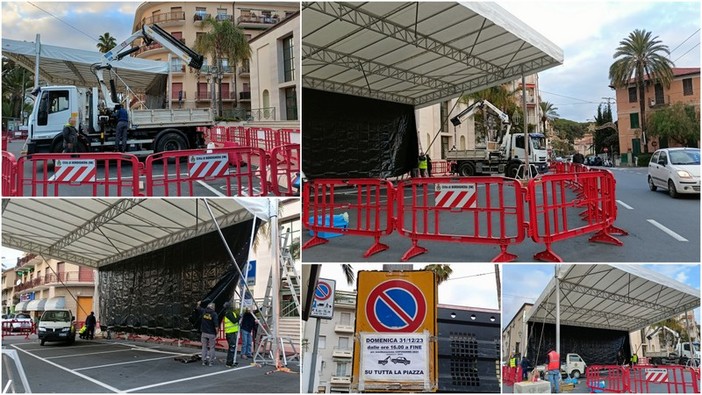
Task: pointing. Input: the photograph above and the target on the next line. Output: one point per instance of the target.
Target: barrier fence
(511, 374)
(284, 171)
(9, 174)
(370, 200)
(441, 168)
(8, 328)
(643, 379)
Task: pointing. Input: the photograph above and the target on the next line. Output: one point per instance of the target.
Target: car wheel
(671, 189)
(575, 374)
(651, 185)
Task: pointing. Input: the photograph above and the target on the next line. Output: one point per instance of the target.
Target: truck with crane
(150, 130)
(676, 352)
(505, 152)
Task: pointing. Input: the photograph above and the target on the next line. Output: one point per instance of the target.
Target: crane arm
(478, 105)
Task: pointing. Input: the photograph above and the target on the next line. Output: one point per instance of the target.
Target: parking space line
(92, 380)
(88, 353)
(210, 188)
(186, 379)
(626, 206)
(666, 230)
(125, 363)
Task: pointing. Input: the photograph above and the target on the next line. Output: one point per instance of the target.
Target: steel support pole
(558, 311)
(37, 56)
(275, 254)
(527, 140)
(313, 365)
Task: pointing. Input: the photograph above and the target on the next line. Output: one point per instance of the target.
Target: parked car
(675, 169)
(57, 326)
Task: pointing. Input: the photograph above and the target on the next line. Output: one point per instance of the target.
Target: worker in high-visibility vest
(423, 165)
(634, 359)
(231, 331)
(554, 371)
(512, 361)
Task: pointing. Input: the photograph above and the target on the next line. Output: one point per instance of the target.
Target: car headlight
(65, 329)
(684, 174)
(42, 329)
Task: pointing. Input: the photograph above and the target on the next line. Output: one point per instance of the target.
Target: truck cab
(574, 366)
(53, 106)
(513, 148)
(57, 326)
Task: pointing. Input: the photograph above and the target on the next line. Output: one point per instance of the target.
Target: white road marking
(186, 379)
(92, 380)
(666, 230)
(88, 353)
(125, 363)
(626, 206)
(211, 189)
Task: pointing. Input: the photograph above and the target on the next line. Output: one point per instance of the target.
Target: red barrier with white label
(240, 135)
(9, 174)
(671, 379)
(91, 174)
(369, 200)
(471, 210)
(182, 173)
(607, 378)
(553, 205)
(440, 168)
(284, 164)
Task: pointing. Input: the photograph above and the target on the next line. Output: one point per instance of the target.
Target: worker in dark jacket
(248, 323)
(122, 126)
(208, 326)
(231, 330)
(70, 135)
(90, 323)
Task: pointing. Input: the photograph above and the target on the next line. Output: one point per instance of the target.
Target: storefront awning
(56, 303)
(36, 305)
(21, 306)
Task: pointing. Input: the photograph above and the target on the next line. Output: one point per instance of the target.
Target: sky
(470, 284)
(524, 283)
(587, 31)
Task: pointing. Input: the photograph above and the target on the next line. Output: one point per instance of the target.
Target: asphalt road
(661, 229)
(100, 366)
(120, 183)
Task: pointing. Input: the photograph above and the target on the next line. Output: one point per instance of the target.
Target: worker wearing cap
(231, 331)
(70, 135)
(208, 326)
(423, 165)
(554, 370)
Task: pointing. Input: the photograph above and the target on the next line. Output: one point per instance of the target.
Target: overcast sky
(587, 31)
(524, 283)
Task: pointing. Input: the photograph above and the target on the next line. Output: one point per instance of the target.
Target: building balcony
(339, 328)
(224, 17)
(155, 48)
(199, 17)
(244, 71)
(73, 277)
(245, 96)
(345, 380)
(342, 353)
(177, 68)
(174, 95)
(206, 69)
(228, 96)
(173, 18)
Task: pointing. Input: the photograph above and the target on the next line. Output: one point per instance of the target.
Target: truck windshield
(696, 346)
(538, 142)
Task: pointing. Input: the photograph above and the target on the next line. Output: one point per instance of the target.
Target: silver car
(675, 169)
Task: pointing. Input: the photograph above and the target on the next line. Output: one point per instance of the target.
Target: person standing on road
(423, 165)
(208, 326)
(554, 371)
(231, 331)
(70, 136)
(634, 359)
(248, 322)
(525, 364)
(122, 128)
(90, 323)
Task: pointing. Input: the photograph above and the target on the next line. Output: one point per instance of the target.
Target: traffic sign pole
(313, 366)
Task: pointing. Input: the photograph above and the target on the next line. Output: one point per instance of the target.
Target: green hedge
(643, 159)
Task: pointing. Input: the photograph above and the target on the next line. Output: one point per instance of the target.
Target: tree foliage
(106, 42)
(678, 122)
(548, 113)
(606, 135)
(443, 272)
(15, 82)
(568, 130)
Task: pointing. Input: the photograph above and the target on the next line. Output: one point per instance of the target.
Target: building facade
(514, 335)
(191, 88)
(685, 88)
(663, 340)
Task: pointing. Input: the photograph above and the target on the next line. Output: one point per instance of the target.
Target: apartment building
(662, 339)
(35, 284)
(514, 335)
(685, 88)
(191, 88)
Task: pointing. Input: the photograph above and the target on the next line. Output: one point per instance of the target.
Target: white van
(57, 326)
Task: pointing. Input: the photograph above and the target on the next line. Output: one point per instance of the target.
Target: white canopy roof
(418, 53)
(613, 296)
(97, 232)
(68, 66)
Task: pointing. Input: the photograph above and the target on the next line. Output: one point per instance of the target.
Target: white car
(675, 169)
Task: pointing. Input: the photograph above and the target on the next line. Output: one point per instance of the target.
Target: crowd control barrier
(490, 209)
(607, 378)
(552, 202)
(672, 379)
(511, 375)
(5, 139)
(369, 200)
(240, 135)
(178, 173)
(440, 168)
(285, 170)
(54, 174)
(8, 330)
(9, 174)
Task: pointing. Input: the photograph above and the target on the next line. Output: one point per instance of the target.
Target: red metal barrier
(5, 139)
(551, 202)
(607, 378)
(289, 136)
(44, 176)
(440, 168)
(369, 200)
(240, 135)
(7, 329)
(9, 174)
(284, 169)
(176, 173)
(511, 375)
(488, 212)
(672, 379)
(265, 138)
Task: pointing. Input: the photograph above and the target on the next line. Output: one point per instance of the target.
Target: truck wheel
(512, 170)
(466, 169)
(575, 374)
(171, 142)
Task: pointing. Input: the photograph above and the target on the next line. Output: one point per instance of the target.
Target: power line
(68, 24)
(569, 97)
(684, 41)
(696, 45)
(472, 275)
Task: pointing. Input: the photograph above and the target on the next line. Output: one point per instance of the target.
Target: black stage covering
(156, 293)
(594, 345)
(348, 136)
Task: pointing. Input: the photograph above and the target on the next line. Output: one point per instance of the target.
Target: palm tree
(106, 42)
(223, 41)
(348, 272)
(443, 272)
(548, 111)
(643, 57)
(499, 286)
(14, 85)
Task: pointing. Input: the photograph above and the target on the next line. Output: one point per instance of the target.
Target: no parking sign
(323, 301)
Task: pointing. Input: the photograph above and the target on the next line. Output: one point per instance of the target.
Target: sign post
(395, 340)
(322, 308)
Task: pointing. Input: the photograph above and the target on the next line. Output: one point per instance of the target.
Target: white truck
(676, 352)
(149, 130)
(504, 154)
(574, 367)
(57, 326)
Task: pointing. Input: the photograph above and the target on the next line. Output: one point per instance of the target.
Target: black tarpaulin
(355, 137)
(594, 345)
(156, 293)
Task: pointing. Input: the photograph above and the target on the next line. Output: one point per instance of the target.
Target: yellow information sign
(395, 337)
